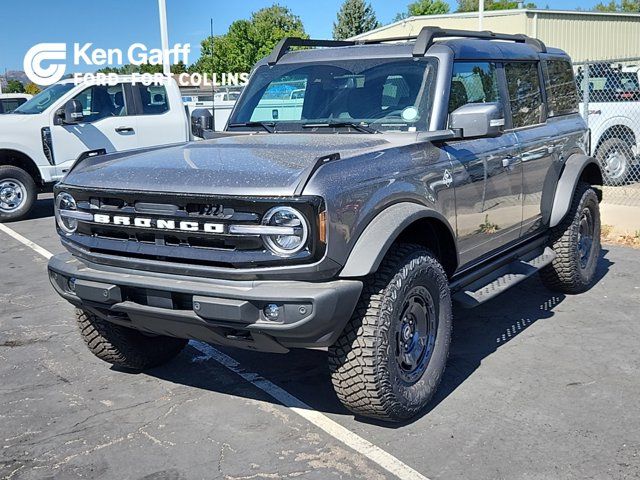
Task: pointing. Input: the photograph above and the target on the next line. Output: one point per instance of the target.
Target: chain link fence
(611, 107)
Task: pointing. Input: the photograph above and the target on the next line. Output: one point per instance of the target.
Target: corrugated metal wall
(590, 37)
(583, 36)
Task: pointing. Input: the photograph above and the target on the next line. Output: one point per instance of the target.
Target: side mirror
(73, 112)
(478, 120)
(201, 121)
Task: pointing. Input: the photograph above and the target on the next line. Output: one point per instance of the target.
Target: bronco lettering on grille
(160, 224)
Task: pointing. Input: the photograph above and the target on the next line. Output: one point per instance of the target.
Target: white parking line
(377, 455)
(33, 246)
(337, 431)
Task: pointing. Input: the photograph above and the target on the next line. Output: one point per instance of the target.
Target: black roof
(431, 40)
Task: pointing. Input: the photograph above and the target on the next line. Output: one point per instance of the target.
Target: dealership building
(583, 35)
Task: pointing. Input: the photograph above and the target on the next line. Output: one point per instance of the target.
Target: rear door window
(153, 99)
(562, 92)
(525, 95)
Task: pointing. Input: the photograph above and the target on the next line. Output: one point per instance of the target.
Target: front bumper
(225, 312)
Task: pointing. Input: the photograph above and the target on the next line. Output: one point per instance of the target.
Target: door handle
(125, 130)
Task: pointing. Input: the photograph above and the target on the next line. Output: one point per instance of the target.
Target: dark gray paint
(247, 165)
(490, 183)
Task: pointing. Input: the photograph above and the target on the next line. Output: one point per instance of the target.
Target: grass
(487, 226)
(627, 239)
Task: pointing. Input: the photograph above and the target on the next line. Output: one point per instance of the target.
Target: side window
(153, 98)
(283, 99)
(525, 95)
(101, 101)
(10, 105)
(473, 82)
(562, 94)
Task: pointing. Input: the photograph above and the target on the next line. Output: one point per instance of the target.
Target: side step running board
(503, 278)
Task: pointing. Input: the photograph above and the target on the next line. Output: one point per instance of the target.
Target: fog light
(272, 311)
(72, 284)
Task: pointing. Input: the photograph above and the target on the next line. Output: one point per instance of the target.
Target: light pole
(480, 14)
(164, 36)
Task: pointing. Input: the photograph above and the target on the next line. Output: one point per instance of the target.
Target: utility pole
(213, 90)
(164, 36)
(480, 15)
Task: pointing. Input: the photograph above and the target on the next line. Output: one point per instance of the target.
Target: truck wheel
(389, 360)
(576, 242)
(18, 193)
(615, 157)
(125, 347)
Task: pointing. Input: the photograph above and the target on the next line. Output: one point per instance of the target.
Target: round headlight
(294, 239)
(65, 202)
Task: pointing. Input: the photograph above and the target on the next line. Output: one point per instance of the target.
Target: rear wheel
(576, 242)
(615, 157)
(125, 347)
(390, 358)
(18, 193)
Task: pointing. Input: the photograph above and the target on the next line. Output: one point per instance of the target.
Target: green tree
(427, 7)
(627, 6)
(473, 5)
(128, 69)
(247, 41)
(355, 17)
(14, 86)
(31, 89)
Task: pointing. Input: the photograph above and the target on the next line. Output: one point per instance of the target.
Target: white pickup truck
(10, 101)
(42, 138)
(613, 118)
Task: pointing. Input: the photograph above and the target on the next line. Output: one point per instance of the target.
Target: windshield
(381, 94)
(44, 99)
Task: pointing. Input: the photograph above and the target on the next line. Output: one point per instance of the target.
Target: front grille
(215, 247)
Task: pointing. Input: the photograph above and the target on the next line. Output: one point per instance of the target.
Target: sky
(119, 23)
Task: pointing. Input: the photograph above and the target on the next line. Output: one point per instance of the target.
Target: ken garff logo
(55, 54)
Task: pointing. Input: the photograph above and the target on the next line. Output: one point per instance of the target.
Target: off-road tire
(9, 173)
(566, 274)
(125, 347)
(362, 362)
(623, 172)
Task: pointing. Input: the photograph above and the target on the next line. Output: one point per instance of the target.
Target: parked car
(10, 101)
(614, 121)
(67, 122)
(416, 174)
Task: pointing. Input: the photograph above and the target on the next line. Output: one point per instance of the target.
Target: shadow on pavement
(477, 334)
(43, 208)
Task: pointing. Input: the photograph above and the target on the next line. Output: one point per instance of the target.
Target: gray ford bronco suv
(359, 189)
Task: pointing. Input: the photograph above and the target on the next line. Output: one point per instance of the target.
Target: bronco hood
(253, 165)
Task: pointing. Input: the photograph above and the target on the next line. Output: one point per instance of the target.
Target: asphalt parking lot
(538, 386)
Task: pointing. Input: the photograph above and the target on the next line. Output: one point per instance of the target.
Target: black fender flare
(573, 169)
(374, 242)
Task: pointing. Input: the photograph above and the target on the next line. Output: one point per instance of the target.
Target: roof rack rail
(428, 34)
(286, 43)
(423, 40)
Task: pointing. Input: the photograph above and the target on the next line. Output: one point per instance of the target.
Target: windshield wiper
(361, 127)
(268, 126)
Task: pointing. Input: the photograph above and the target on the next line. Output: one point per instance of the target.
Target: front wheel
(18, 193)
(390, 358)
(125, 347)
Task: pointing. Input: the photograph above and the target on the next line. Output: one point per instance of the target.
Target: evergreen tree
(355, 17)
